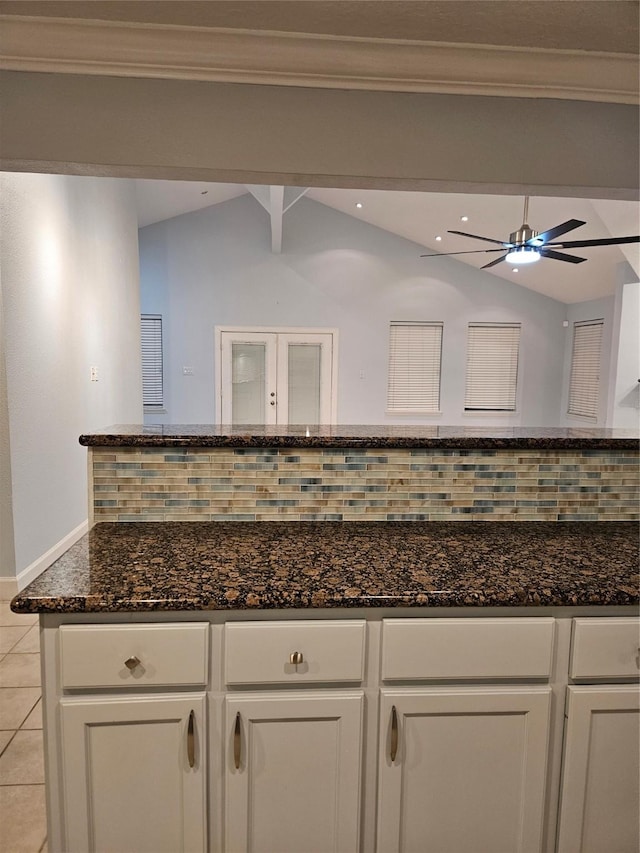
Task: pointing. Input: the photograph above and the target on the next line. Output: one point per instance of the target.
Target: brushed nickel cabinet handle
(132, 662)
(394, 733)
(191, 740)
(237, 742)
(296, 658)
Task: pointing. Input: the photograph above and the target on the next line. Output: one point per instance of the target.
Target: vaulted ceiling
(421, 217)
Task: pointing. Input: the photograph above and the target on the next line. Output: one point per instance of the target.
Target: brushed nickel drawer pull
(191, 741)
(132, 662)
(394, 733)
(237, 742)
(296, 658)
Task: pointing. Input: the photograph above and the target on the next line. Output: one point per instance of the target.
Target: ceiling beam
(292, 195)
(276, 200)
(276, 197)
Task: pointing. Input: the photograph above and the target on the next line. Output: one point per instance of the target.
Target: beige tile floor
(23, 827)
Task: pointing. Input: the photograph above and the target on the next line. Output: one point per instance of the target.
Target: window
(151, 337)
(492, 367)
(415, 352)
(584, 384)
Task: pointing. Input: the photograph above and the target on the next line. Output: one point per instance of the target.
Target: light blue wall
(215, 267)
(69, 302)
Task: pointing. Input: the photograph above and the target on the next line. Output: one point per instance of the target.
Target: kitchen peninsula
(368, 602)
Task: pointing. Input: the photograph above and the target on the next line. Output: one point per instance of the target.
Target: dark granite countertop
(339, 435)
(120, 567)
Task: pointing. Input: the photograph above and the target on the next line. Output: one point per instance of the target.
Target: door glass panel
(248, 391)
(304, 383)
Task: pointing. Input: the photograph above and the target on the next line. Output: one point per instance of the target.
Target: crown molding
(74, 46)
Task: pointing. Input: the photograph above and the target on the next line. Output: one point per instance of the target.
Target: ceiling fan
(525, 246)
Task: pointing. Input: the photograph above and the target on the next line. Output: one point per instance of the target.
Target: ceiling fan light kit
(524, 255)
(526, 246)
(525, 242)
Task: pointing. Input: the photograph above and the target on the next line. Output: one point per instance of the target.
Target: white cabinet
(293, 758)
(133, 762)
(343, 735)
(600, 801)
(600, 806)
(293, 767)
(605, 650)
(295, 652)
(134, 773)
(134, 657)
(463, 768)
(463, 649)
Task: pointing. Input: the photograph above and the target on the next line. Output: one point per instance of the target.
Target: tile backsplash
(307, 484)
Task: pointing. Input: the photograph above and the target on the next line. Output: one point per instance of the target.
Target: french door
(276, 377)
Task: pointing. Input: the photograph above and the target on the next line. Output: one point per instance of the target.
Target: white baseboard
(38, 566)
(8, 588)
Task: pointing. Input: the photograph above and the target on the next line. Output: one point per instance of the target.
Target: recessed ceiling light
(438, 238)
(464, 219)
(515, 269)
(358, 204)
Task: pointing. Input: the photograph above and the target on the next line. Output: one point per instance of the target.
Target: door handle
(237, 742)
(191, 740)
(394, 734)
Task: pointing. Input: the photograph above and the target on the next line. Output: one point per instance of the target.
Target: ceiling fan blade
(552, 233)
(476, 237)
(605, 241)
(560, 256)
(493, 263)
(467, 252)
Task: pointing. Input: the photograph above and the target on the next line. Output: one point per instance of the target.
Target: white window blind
(415, 351)
(492, 367)
(151, 338)
(584, 384)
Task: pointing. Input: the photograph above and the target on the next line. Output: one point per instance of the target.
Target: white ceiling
(420, 217)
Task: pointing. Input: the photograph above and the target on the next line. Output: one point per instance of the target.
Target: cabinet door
(293, 773)
(468, 774)
(600, 803)
(134, 774)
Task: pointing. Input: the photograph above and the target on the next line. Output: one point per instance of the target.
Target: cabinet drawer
(261, 652)
(605, 648)
(105, 655)
(466, 648)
